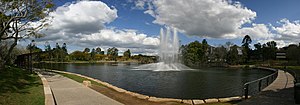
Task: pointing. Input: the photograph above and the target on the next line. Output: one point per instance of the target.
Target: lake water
(187, 84)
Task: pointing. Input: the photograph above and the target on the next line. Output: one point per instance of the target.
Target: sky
(136, 24)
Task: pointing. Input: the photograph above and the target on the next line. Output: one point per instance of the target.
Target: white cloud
(82, 24)
(288, 30)
(81, 17)
(256, 32)
(120, 38)
(285, 33)
(204, 18)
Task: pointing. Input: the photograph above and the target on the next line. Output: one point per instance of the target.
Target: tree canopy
(16, 19)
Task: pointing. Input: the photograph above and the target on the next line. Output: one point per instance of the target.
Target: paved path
(70, 92)
(280, 92)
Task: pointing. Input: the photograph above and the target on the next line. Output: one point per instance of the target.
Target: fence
(253, 87)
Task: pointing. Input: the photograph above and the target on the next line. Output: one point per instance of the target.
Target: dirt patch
(128, 99)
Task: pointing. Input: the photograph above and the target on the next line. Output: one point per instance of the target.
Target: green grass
(77, 78)
(19, 87)
(292, 69)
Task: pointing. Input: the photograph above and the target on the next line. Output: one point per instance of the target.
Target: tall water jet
(169, 46)
(168, 53)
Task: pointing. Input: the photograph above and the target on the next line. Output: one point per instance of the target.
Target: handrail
(246, 85)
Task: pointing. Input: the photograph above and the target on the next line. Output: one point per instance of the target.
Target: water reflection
(199, 83)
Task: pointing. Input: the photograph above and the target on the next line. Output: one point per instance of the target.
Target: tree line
(200, 53)
(60, 54)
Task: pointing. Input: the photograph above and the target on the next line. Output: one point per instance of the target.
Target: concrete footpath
(70, 92)
(280, 92)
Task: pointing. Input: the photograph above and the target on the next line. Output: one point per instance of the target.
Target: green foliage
(81, 56)
(193, 53)
(93, 53)
(232, 56)
(112, 53)
(269, 50)
(127, 54)
(98, 51)
(292, 54)
(86, 50)
(15, 15)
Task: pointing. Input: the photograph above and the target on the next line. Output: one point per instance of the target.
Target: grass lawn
(116, 94)
(19, 87)
(77, 78)
(292, 69)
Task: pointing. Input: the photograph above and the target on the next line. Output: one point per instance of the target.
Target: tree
(64, 48)
(93, 53)
(112, 53)
(269, 50)
(86, 50)
(220, 53)
(47, 46)
(127, 54)
(205, 49)
(232, 55)
(292, 54)
(33, 48)
(246, 49)
(77, 55)
(98, 51)
(228, 45)
(16, 19)
(257, 52)
(246, 41)
(193, 53)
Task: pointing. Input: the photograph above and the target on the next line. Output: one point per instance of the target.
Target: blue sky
(263, 20)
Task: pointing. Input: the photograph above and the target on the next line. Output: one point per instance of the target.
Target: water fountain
(168, 53)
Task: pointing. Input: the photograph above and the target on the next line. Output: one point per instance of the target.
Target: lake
(201, 83)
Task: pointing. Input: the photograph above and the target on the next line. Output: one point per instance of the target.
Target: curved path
(70, 92)
(280, 92)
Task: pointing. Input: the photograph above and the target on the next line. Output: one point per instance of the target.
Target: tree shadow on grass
(15, 80)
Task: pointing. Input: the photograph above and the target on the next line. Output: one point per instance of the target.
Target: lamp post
(31, 46)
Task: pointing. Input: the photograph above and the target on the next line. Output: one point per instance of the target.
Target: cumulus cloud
(257, 31)
(120, 38)
(219, 19)
(286, 32)
(205, 18)
(82, 24)
(81, 17)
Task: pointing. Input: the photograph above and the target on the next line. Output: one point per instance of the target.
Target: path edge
(49, 100)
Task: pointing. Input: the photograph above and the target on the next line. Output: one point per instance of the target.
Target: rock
(213, 100)
(198, 102)
(224, 99)
(235, 98)
(140, 96)
(155, 99)
(188, 102)
(119, 89)
(87, 83)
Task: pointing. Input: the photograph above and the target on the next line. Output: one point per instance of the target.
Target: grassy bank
(124, 98)
(294, 70)
(19, 87)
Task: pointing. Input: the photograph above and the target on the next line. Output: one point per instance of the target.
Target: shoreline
(90, 62)
(158, 99)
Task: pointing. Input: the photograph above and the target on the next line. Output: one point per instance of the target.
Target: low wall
(49, 100)
(157, 99)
